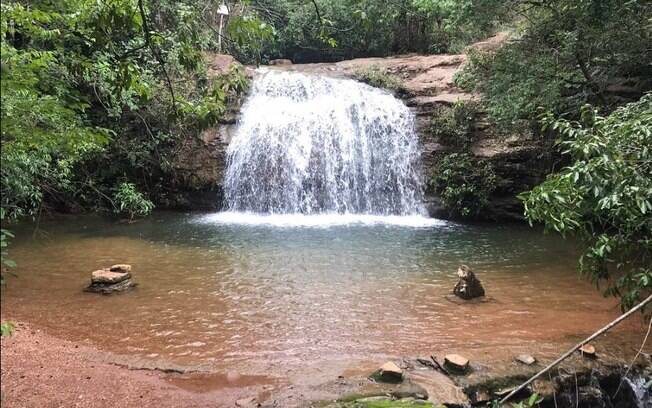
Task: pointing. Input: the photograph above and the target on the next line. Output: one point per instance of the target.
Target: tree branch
(157, 55)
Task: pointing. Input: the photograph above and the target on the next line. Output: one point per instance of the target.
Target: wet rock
(117, 278)
(588, 350)
(526, 359)
(408, 389)
(426, 362)
(374, 398)
(280, 61)
(468, 286)
(389, 373)
(439, 387)
(108, 276)
(250, 402)
(456, 363)
(121, 268)
(584, 397)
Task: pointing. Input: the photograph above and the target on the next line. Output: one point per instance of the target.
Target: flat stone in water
(526, 359)
(389, 372)
(588, 350)
(106, 276)
(456, 363)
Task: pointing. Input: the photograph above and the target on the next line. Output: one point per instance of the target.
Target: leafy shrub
(131, 202)
(7, 328)
(5, 236)
(453, 125)
(379, 78)
(463, 184)
(562, 54)
(604, 197)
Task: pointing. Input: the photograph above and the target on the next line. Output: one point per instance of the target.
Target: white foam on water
(318, 220)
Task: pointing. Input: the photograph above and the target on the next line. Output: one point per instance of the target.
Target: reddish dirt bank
(39, 370)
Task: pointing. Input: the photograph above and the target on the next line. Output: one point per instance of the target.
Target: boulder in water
(456, 363)
(117, 278)
(388, 373)
(588, 350)
(108, 276)
(469, 286)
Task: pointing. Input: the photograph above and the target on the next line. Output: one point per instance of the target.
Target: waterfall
(315, 145)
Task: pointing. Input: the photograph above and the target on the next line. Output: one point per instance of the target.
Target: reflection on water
(239, 296)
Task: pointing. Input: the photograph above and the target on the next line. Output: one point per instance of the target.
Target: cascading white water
(315, 145)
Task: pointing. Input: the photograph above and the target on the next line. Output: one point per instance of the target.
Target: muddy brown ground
(39, 370)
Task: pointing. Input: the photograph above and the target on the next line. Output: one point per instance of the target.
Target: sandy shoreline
(43, 370)
(39, 370)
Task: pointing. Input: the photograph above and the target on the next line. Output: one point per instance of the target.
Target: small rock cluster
(117, 278)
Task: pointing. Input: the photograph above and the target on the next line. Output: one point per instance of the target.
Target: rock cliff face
(519, 160)
(201, 161)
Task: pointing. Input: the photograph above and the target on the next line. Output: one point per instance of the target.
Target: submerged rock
(117, 278)
(468, 286)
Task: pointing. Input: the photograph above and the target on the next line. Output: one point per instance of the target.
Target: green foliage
(533, 401)
(249, 36)
(129, 201)
(327, 30)
(97, 92)
(7, 328)
(463, 184)
(605, 196)
(5, 237)
(453, 125)
(563, 54)
(379, 78)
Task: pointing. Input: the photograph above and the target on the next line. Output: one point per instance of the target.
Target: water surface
(240, 296)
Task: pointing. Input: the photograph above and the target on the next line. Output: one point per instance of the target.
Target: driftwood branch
(577, 346)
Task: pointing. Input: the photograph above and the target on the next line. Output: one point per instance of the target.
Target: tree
(604, 198)
(95, 94)
(563, 54)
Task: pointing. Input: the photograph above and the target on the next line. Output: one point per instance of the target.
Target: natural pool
(247, 298)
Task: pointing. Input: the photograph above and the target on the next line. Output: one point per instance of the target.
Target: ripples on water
(240, 292)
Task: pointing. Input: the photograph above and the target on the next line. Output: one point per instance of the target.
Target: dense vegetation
(605, 196)
(328, 30)
(96, 97)
(564, 54)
